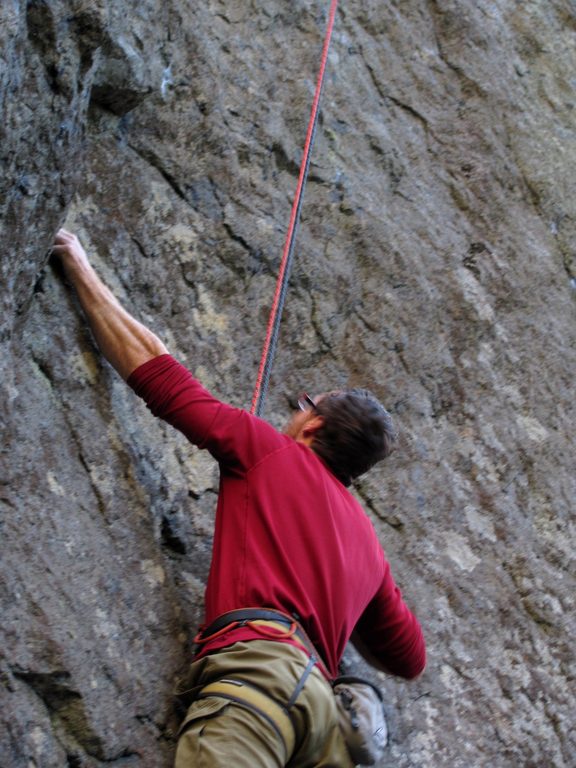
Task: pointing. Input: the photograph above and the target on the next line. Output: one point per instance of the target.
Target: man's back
(288, 534)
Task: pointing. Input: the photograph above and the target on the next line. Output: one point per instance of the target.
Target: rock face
(434, 265)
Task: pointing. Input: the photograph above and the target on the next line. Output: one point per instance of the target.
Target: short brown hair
(357, 432)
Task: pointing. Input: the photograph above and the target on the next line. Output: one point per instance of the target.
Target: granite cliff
(434, 265)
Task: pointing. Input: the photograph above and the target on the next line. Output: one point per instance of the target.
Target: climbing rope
(269, 348)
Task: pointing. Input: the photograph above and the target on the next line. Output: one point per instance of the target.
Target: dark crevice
(366, 323)
(238, 239)
(399, 349)
(393, 99)
(392, 521)
(65, 706)
(141, 249)
(468, 84)
(316, 325)
(43, 368)
(151, 159)
(86, 466)
(171, 535)
(283, 162)
(409, 109)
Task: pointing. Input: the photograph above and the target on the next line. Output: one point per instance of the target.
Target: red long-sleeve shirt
(288, 534)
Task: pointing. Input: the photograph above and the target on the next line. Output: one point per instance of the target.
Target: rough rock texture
(435, 265)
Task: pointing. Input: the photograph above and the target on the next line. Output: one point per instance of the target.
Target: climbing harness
(273, 625)
(256, 700)
(271, 340)
(270, 623)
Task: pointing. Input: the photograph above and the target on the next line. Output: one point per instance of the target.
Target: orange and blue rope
(270, 343)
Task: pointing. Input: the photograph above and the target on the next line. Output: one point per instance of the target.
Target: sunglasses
(305, 402)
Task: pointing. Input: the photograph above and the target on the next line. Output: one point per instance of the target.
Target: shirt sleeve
(233, 436)
(391, 632)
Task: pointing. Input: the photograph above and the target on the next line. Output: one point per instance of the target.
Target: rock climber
(297, 569)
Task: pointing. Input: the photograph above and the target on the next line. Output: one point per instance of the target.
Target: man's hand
(123, 341)
(67, 247)
(70, 253)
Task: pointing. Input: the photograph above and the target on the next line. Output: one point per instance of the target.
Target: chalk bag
(361, 718)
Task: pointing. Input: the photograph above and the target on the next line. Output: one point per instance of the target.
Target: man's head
(350, 430)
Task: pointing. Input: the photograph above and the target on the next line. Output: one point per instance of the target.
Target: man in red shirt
(297, 569)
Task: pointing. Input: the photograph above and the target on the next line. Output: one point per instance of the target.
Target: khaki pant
(218, 733)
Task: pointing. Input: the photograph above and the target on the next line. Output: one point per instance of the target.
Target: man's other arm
(123, 341)
(388, 635)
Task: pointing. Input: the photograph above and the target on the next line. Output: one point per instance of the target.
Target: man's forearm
(366, 654)
(123, 341)
(407, 671)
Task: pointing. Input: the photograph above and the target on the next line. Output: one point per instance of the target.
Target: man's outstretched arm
(123, 341)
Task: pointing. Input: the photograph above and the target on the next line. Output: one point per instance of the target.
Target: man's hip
(274, 708)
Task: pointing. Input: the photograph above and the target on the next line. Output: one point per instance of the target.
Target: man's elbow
(409, 663)
(142, 353)
(407, 669)
(414, 668)
(415, 661)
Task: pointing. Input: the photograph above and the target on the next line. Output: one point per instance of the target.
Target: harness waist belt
(252, 698)
(244, 616)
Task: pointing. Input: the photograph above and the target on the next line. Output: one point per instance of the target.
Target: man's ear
(312, 426)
